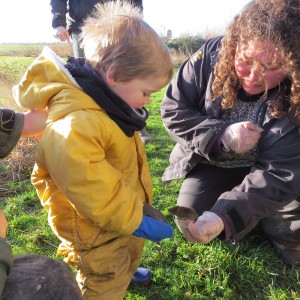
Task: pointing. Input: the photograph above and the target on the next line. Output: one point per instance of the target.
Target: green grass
(182, 270)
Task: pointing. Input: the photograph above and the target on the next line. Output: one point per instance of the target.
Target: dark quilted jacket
(71, 13)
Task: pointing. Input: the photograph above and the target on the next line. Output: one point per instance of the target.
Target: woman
(233, 110)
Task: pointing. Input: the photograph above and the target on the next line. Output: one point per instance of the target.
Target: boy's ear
(110, 75)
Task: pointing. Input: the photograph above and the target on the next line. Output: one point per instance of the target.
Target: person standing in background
(67, 19)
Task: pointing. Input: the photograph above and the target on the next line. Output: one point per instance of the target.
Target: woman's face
(258, 66)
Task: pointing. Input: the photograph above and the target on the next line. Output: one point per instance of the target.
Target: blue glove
(154, 230)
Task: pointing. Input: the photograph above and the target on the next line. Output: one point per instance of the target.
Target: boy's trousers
(105, 272)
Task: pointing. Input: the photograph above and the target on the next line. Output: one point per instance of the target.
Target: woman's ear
(110, 75)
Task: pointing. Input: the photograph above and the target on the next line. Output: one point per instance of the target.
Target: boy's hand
(3, 225)
(154, 230)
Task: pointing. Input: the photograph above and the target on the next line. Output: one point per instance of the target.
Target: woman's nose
(254, 74)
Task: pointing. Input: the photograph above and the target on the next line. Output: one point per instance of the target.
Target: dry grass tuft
(19, 163)
(17, 167)
(178, 57)
(62, 49)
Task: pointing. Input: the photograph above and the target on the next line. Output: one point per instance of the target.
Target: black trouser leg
(283, 230)
(205, 183)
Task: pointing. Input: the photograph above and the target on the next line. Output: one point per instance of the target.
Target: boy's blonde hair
(115, 34)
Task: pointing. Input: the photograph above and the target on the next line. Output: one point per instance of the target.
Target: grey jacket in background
(11, 126)
(6, 261)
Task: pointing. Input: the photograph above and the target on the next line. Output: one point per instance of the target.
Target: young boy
(91, 171)
(20, 275)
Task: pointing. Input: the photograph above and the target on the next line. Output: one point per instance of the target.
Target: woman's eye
(244, 61)
(146, 95)
(272, 69)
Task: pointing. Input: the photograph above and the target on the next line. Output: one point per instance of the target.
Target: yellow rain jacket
(90, 177)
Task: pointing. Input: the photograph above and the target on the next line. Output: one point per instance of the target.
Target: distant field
(13, 49)
(32, 50)
(12, 69)
(15, 59)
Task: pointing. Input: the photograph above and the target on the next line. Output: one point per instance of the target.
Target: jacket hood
(48, 84)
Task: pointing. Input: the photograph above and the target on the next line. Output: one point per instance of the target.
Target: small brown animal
(182, 212)
(152, 212)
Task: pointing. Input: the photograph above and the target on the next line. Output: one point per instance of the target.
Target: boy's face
(137, 92)
(258, 66)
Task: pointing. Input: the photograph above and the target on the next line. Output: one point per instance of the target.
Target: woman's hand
(206, 228)
(241, 137)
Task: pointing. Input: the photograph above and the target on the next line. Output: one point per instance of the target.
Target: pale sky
(30, 20)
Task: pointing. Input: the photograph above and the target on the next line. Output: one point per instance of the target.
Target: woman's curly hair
(277, 21)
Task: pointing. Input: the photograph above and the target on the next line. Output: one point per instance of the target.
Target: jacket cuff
(226, 234)
(58, 20)
(11, 127)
